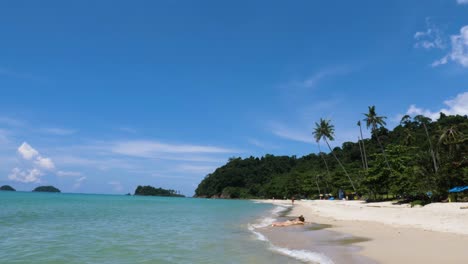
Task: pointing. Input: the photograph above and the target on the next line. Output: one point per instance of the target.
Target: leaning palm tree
(326, 131)
(323, 158)
(363, 146)
(425, 120)
(374, 122)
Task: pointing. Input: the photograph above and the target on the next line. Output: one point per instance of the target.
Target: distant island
(152, 191)
(7, 188)
(46, 189)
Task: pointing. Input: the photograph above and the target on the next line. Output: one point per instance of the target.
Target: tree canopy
(152, 191)
(421, 158)
(7, 188)
(46, 189)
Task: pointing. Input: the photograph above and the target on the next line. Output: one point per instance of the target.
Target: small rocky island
(7, 188)
(151, 191)
(46, 189)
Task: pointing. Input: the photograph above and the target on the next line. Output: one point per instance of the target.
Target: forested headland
(419, 159)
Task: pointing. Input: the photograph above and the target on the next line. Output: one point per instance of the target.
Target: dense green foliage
(7, 188)
(46, 189)
(419, 159)
(151, 191)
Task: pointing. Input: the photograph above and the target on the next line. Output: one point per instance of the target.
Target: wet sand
(376, 241)
(339, 247)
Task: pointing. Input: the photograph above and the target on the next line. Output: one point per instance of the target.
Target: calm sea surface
(79, 228)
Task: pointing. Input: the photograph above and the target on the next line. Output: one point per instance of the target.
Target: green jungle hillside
(419, 159)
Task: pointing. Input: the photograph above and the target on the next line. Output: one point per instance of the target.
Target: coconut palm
(374, 122)
(318, 187)
(362, 154)
(451, 137)
(326, 131)
(324, 160)
(363, 146)
(425, 120)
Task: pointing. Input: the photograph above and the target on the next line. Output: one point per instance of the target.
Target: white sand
(436, 233)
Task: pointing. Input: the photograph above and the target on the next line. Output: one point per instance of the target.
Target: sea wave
(302, 255)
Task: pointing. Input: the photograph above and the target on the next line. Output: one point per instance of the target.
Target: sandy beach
(436, 233)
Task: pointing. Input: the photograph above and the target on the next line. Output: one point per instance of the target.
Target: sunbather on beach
(296, 221)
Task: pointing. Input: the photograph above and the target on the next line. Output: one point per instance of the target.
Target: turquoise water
(78, 228)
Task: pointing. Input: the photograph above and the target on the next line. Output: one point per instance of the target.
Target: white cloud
(459, 51)
(431, 38)
(45, 163)
(461, 2)
(26, 176)
(153, 149)
(27, 152)
(456, 106)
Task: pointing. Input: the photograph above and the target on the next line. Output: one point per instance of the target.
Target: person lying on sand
(296, 221)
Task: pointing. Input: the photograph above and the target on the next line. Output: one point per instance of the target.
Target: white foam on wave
(302, 255)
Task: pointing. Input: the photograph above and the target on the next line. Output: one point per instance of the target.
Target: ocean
(88, 228)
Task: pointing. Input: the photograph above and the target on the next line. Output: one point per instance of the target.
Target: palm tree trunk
(316, 182)
(362, 155)
(363, 147)
(339, 162)
(432, 149)
(324, 161)
(382, 148)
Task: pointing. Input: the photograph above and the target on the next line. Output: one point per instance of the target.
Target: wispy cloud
(68, 173)
(455, 106)
(461, 2)
(261, 144)
(79, 182)
(434, 38)
(58, 131)
(431, 38)
(314, 79)
(154, 149)
(116, 185)
(459, 52)
(195, 169)
(295, 134)
(11, 121)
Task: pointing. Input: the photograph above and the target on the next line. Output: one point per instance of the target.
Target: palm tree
(451, 137)
(323, 158)
(326, 131)
(318, 187)
(360, 151)
(423, 120)
(363, 146)
(374, 121)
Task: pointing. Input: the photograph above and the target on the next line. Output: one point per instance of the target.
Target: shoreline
(396, 233)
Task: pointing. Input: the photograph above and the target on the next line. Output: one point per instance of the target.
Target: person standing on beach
(292, 200)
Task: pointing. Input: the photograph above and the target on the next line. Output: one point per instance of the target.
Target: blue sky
(101, 96)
